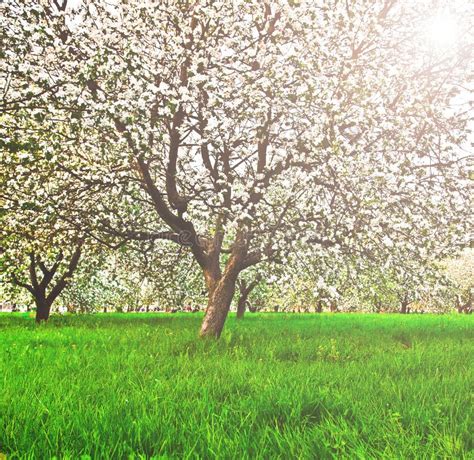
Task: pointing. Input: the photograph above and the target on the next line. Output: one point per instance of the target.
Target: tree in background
(247, 284)
(460, 271)
(104, 284)
(39, 252)
(38, 266)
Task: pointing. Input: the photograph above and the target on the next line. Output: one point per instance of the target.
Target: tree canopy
(241, 131)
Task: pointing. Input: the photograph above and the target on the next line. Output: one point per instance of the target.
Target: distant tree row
(110, 283)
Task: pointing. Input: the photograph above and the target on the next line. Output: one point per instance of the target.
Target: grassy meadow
(275, 386)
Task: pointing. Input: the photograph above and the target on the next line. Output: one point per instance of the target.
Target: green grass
(275, 386)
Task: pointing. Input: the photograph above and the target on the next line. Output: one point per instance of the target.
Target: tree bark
(241, 306)
(43, 309)
(220, 298)
(245, 290)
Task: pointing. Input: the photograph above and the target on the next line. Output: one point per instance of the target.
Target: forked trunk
(404, 308)
(245, 290)
(220, 298)
(38, 287)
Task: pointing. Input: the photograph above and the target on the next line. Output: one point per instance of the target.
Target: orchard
(280, 156)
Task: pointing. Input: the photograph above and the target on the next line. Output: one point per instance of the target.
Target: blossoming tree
(238, 129)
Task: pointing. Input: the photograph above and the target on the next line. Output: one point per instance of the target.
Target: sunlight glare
(443, 31)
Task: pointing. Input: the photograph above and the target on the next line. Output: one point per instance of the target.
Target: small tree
(246, 286)
(39, 251)
(43, 273)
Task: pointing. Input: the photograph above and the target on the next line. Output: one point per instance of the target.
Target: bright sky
(443, 33)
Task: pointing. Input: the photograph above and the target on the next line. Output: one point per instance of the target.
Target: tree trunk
(319, 307)
(242, 303)
(468, 306)
(37, 288)
(464, 307)
(404, 308)
(245, 291)
(220, 298)
(378, 306)
(43, 309)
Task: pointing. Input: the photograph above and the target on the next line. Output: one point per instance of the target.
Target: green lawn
(275, 386)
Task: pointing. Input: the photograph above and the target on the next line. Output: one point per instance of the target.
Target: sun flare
(443, 31)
